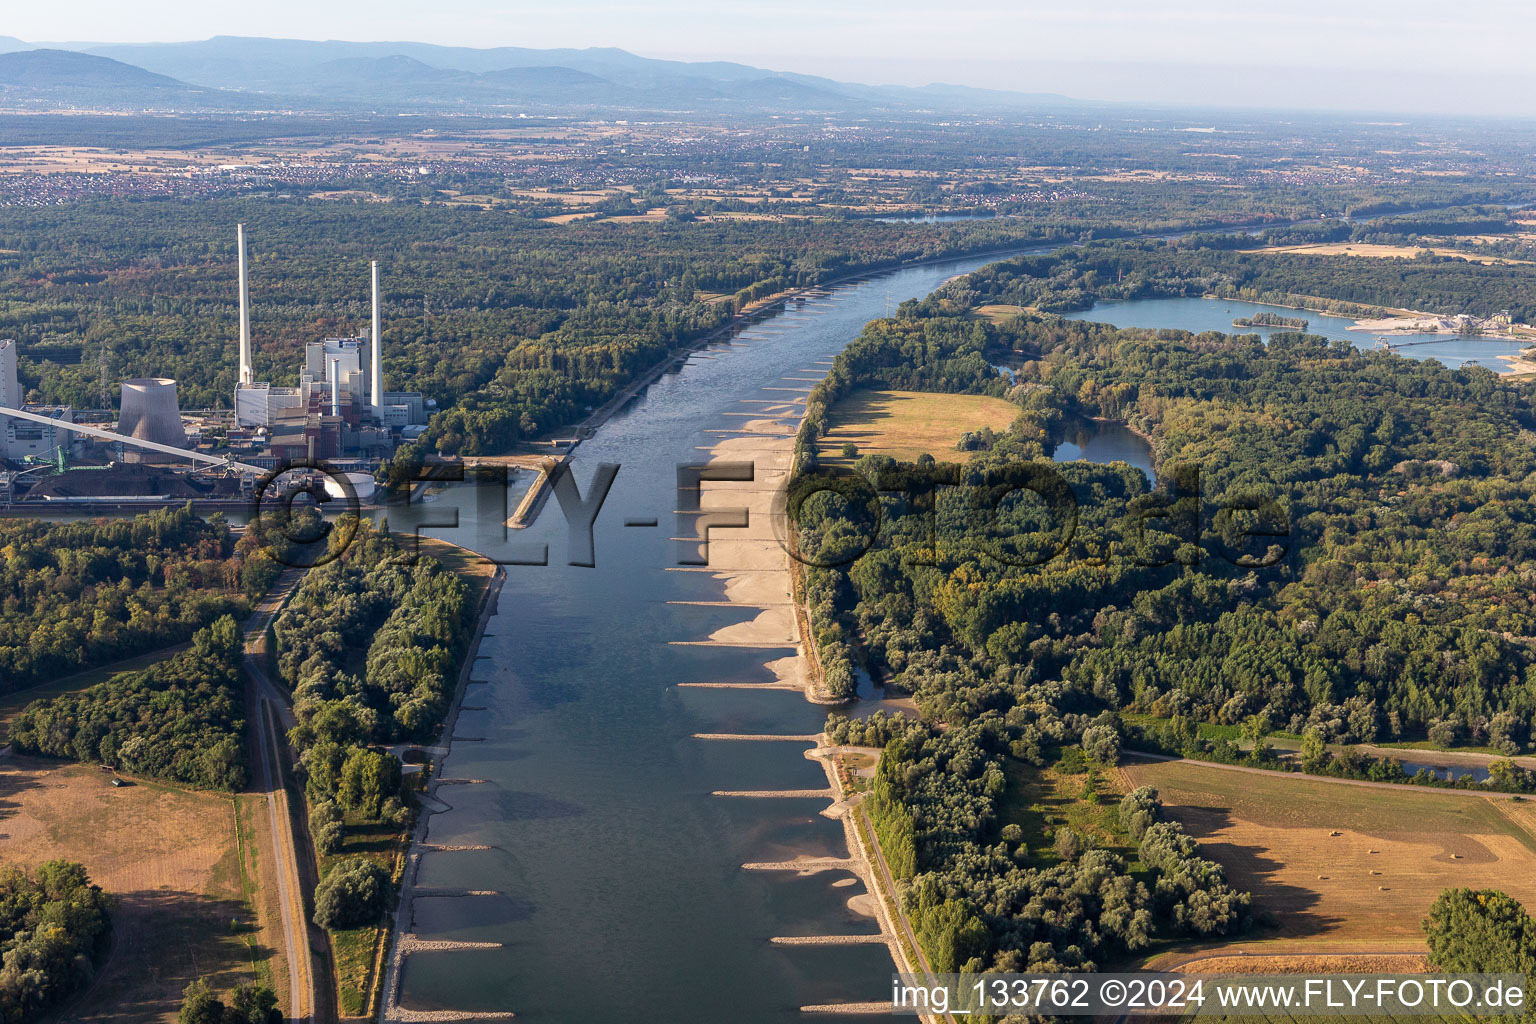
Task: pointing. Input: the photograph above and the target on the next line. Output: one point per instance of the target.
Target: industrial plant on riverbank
(153, 453)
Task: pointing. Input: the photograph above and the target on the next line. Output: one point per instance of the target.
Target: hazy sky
(1370, 54)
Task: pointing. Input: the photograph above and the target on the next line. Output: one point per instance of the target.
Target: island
(1293, 323)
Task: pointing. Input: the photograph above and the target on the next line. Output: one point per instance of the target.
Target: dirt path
(263, 701)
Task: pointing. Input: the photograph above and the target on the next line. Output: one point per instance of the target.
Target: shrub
(351, 894)
(328, 838)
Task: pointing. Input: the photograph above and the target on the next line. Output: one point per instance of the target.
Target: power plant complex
(339, 407)
(338, 412)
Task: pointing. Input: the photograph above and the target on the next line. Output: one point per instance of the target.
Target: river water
(621, 892)
(1199, 314)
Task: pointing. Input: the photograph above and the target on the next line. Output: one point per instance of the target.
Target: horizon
(1397, 59)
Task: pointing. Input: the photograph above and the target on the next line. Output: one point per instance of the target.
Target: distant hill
(594, 76)
(49, 69)
(228, 72)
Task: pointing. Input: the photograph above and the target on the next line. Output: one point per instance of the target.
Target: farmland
(1344, 867)
(171, 859)
(906, 424)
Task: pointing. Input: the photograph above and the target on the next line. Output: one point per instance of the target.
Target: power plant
(338, 412)
(148, 411)
(339, 406)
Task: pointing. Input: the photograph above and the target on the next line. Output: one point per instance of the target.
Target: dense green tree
(181, 720)
(55, 929)
(352, 893)
(1478, 931)
(199, 1004)
(78, 594)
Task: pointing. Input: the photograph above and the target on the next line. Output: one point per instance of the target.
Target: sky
(1386, 55)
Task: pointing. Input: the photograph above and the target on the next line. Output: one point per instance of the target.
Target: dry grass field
(171, 859)
(1383, 251)
(999, 312)
(906, 424)
(1346, 868)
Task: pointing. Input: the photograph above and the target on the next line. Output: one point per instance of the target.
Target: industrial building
(24, 438)
(149, 411)
(338, 412)
(339, 408)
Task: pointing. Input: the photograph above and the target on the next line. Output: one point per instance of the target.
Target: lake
(1104, 441)
(1199, 314)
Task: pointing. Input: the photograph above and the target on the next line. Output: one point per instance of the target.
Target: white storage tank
(362, 487)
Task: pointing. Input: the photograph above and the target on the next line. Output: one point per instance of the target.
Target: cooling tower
(149, 412)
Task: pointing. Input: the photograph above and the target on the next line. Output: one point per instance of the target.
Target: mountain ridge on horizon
(233, 71)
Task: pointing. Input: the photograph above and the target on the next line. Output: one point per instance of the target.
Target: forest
(74, 595)
(370, 645)
(181, 720)
(55, 931)
(512, 325)
(1397, 490)
(1334, 548)
(980, 900)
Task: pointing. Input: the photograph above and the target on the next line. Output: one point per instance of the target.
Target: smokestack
(247, 372)
(335, 386)
(376, 345)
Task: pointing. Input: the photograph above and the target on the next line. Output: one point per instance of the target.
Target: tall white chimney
(376, 348)
(247, 371)
(335, 385)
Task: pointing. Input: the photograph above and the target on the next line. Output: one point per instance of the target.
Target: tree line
(1074, 279)
(978, 902)
(55, 931)
(394, 687)
(182, 720)
(74, 595)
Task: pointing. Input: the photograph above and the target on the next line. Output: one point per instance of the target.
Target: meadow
(906, 424)
(176, 862)
(1344, 867)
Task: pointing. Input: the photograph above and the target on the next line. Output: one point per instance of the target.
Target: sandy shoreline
(1517, 364)
(755, 569)
(750, 562)
(1431, 323)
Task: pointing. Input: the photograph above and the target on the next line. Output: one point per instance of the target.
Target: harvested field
(906, 424)
(1401, 252)
(1412, 963)
(170, 858)
(1345, 867)
(999, 312)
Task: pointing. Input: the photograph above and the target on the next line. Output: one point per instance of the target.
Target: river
(621, 891)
